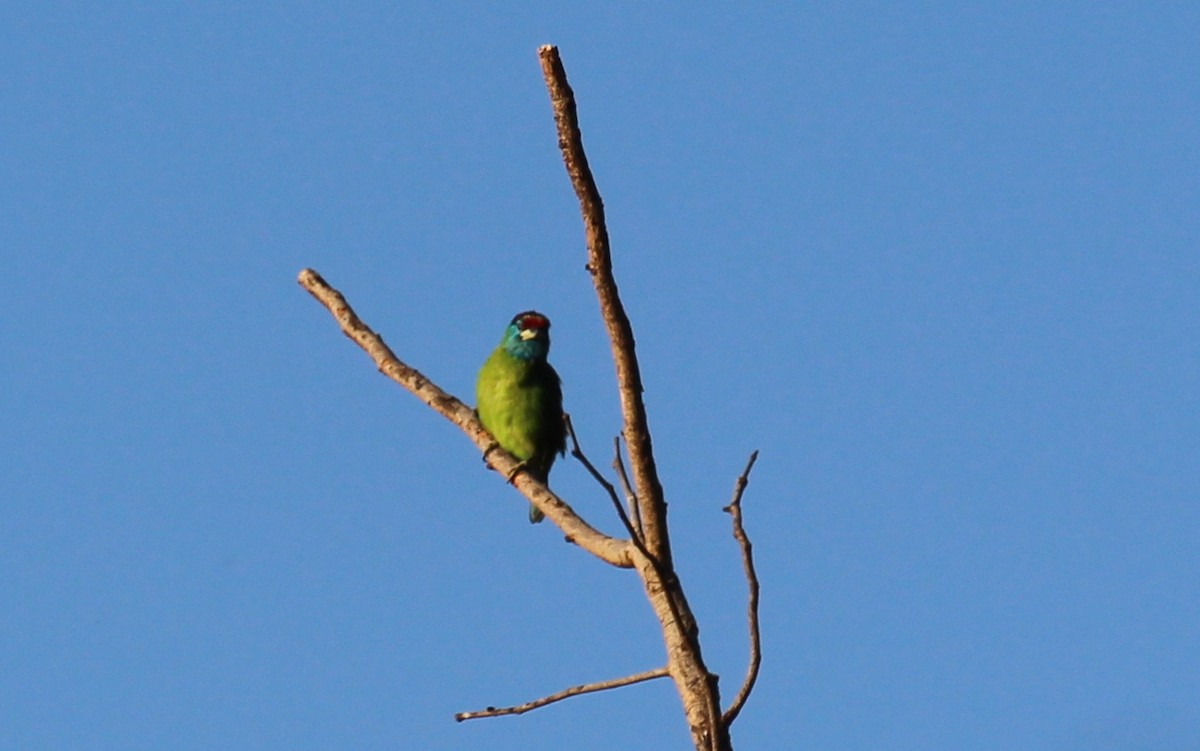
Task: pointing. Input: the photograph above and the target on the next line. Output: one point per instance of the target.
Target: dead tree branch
(620, 332)
(577, 452)
(630, 497)
(739, 533)
(648, 550)
(586, 688)
(697, 686)
(609, 549)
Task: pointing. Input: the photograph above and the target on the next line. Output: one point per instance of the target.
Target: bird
(519, 398)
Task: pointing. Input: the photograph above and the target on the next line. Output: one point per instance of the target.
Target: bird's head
(528, 336)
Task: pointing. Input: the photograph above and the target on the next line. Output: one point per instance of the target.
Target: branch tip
(739, 533)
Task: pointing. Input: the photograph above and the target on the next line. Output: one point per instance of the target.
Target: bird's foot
(491, 447)
(515, 471)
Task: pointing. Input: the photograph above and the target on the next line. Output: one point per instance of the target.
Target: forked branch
(739, 533)
(577, 452)
(697, 686)
(648, 550)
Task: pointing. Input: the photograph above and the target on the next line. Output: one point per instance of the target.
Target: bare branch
(739, 533)
(620, 332)
(577, 452)
(663, 574)
(587, 688)
(630, 498)
(697, 687)
(648, 550)
(608, 549)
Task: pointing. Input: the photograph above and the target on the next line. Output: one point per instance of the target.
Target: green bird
(520, 398)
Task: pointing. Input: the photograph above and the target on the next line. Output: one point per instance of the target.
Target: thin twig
(620, 332)
(623, 476)
(587, 688)
(734, 509)
(609, 549)
(577, 452)
(667, 577)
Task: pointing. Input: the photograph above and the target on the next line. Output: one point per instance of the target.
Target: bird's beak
(527, 334)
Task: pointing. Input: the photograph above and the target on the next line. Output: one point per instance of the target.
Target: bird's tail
(540, 471)
(535, 516)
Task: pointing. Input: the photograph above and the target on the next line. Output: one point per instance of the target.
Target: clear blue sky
(939, 262)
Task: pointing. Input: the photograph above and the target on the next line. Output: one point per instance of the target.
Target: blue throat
(525, 349)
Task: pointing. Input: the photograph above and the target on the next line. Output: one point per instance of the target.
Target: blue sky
(938, 262)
